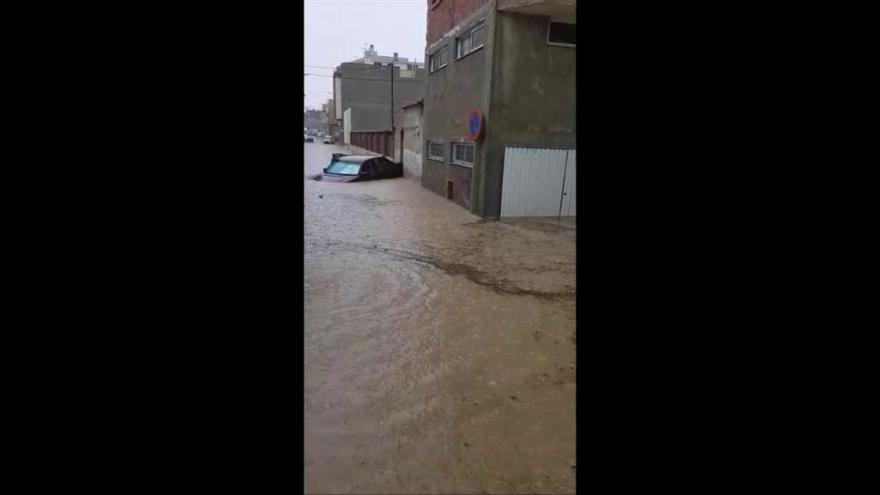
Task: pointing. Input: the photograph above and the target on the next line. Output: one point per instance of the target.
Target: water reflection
(439, 349)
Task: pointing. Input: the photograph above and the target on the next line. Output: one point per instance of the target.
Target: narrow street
(439, 349)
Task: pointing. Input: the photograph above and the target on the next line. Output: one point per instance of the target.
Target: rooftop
(371, 56)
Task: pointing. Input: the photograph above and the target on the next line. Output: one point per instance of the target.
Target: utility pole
(392, 103)
(392, 93)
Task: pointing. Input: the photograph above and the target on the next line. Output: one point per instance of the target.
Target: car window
(370, 167)
(344, 168)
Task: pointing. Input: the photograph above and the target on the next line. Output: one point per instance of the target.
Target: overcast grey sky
(337, 30)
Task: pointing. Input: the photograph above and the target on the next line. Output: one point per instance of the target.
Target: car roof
(356, 158)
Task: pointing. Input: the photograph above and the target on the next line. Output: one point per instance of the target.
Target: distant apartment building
(315, 120)
(365, 109)
(333, 127)
(371, 57)
(499, 128)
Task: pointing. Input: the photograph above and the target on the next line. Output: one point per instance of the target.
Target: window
(344, 168)
(561, 33)
(463, 154)
(470, 41)
(439, 59)
(435, 150)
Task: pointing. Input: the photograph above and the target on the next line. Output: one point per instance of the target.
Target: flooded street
(439, 349)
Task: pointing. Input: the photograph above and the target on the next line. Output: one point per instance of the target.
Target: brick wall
(446, 13)
(377, 142)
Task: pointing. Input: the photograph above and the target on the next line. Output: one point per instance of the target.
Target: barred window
(435, 150)
(463, 154)
(439, 59)
(471, 40)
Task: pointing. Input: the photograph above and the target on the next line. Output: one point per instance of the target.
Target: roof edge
(420, 101)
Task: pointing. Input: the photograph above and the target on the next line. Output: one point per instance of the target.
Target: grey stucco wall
(412, 165)
(533, 96)
(450, 95)
(366, 90)
(411, 153)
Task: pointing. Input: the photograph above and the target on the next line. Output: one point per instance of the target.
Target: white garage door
(538, 182)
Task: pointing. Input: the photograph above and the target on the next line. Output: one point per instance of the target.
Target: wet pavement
(439, 348)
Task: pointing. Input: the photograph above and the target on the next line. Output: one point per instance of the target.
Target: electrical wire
(385, 79)
(398, 78)
(366, 66)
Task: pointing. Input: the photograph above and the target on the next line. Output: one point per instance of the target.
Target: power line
(365, 66)
(380, 78)
(347, 78)
(349, 70)
(405, 79)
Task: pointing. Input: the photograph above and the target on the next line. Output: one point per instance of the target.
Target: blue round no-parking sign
(475, 124)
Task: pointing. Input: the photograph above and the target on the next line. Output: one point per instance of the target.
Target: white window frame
(556, 43)
(454, 161)
(437, 158)
(436, 54)
(469, 35)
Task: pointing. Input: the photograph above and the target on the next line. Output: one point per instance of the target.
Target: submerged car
(328, 139)
(309, 139)
(350, 168)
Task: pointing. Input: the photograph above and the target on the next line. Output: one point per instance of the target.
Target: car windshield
(344, 168)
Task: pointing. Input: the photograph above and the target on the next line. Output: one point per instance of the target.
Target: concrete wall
(366, 90)
(337, 96)
(533, 96)
(450, 95)
(411, 153)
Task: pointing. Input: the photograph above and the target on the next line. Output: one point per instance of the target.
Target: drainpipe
(492, 46)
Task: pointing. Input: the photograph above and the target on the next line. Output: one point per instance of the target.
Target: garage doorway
(539, 182)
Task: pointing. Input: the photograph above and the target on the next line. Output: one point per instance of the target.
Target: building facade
(514, 63)
(365, 95)
(333, 128)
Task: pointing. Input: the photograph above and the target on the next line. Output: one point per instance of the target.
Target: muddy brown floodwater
(439, 349)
